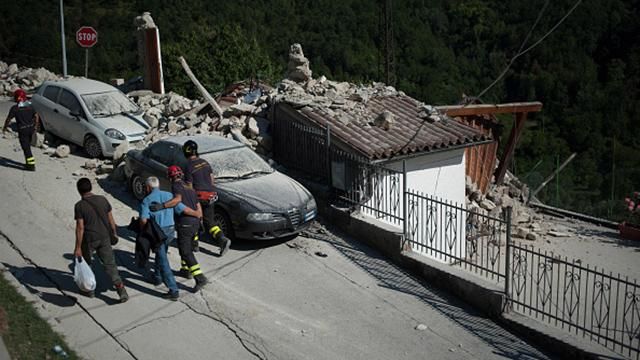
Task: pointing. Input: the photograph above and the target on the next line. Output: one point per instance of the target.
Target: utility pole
(613, 176)
(64, 48)
(389, 58)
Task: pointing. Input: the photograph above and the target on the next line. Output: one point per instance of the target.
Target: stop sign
(86, 36)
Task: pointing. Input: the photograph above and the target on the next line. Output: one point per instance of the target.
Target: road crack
(252, 257)
(151, 321)
(251, 347)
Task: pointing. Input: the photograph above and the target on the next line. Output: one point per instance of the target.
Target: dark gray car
(254, 200)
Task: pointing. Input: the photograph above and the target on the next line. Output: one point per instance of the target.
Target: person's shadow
(34, 279)
(6, 162)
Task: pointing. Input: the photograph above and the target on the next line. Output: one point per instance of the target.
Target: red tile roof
(409, 134)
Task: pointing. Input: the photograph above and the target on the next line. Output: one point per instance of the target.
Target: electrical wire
(522, 52)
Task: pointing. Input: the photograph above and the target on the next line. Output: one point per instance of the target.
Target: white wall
(440, 175)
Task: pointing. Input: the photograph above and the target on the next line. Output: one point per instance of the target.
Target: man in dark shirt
(199, 174)
(186, 226)
(94, 228)
(27, 121)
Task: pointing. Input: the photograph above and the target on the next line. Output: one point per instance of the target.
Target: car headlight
(261, 217)
(114, 134)
(312, 204)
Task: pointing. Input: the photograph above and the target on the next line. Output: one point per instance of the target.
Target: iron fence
(301, 147)
(583, 300)
(372, 189)
(453, 234)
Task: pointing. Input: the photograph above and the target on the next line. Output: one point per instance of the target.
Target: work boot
(226, 243)
(185, 273)
(171, 295)
(122, 293)
(201, 281)
(30, 167)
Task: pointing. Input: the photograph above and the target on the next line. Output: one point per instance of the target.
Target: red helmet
(19, 95)
(174, 171)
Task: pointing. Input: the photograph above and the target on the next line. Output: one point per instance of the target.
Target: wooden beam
(200, 88)
(518, 126)
(480, 109)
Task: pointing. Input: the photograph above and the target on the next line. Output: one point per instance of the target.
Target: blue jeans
(163, 269)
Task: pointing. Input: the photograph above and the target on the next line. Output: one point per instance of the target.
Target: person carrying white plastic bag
(83, 275)
(95, 235)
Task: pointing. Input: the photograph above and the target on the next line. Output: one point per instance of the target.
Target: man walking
(187, 226)
(95, 228)
(28, 122)
(164, 219)
(198, 173)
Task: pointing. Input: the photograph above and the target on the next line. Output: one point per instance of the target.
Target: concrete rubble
(13, 77)
(527, 224)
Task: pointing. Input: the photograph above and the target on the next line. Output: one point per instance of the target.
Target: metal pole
(328, 142)
(550, 177)
(64, 48)
(405, 216)
(86, 62)
(508, 256)
(558, 182)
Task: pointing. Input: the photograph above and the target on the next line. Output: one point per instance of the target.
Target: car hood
(128, 124)
(273, 192)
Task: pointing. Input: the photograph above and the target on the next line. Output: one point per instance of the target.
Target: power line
(522, 52)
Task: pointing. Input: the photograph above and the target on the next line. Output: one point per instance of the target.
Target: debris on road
(421, 327)
(62, 151)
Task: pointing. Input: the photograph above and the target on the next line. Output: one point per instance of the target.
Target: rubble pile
(344, 101)
(13, 77)
(171, 114)
(526, 222)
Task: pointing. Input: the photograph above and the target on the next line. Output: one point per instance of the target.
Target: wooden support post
(201, 88)
(511, 146)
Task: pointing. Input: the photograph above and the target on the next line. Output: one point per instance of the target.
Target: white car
(89, 113)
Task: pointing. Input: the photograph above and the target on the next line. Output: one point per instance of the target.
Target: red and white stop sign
(86, 36)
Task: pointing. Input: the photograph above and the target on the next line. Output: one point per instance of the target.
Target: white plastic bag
(83, 275)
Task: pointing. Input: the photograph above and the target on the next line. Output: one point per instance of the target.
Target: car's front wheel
(92, 146)
(137, 186)
(222, 219)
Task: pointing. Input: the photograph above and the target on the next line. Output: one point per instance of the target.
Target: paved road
(266, 300)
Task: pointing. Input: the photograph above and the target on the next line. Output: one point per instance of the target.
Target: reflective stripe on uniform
(31, 161)
(184, 266)
(214, 230)
(196, 238)
(195, 269)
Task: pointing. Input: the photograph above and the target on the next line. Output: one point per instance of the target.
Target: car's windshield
(109, 103)
(236, 163)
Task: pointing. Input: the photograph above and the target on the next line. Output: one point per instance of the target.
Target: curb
(4, 354)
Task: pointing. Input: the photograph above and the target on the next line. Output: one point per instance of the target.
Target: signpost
(86, 37)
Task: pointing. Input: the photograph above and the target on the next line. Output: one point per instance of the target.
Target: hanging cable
(522, 52)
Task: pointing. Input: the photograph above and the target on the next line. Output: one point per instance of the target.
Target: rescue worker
(186, 226)
(165, 219)
(199, 174)
(28, 122)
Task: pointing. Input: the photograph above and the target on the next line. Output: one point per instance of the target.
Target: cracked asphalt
(266, 300)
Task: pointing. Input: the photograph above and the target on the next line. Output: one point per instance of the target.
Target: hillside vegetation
(587, 72)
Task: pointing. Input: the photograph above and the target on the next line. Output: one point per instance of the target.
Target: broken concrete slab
(63, 151)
